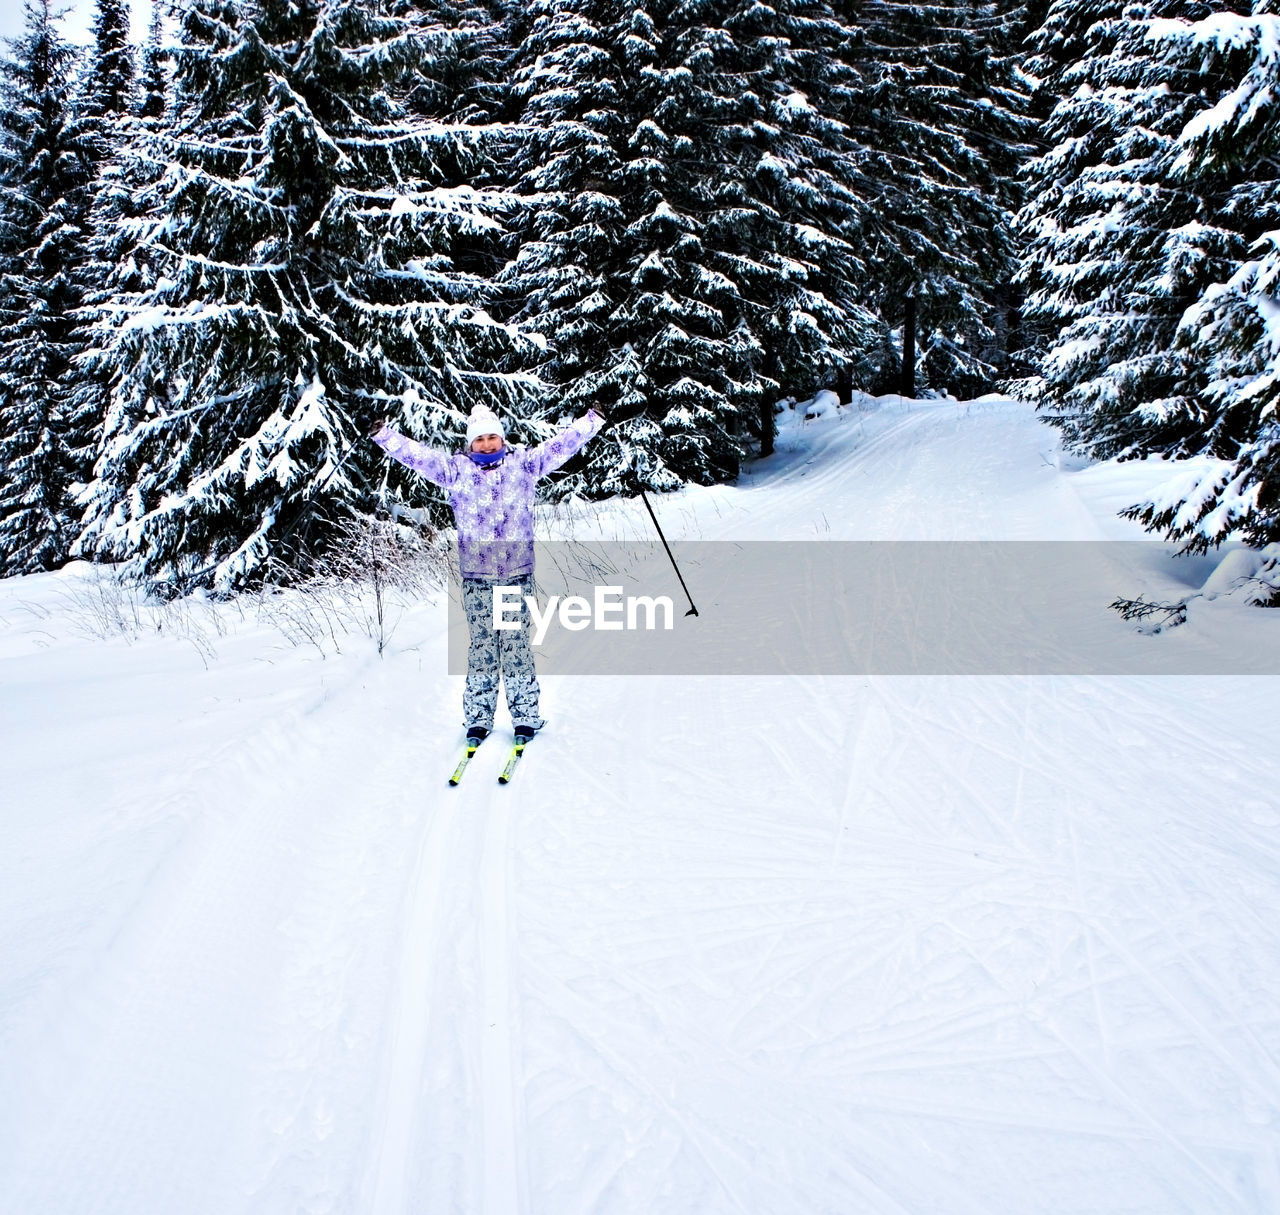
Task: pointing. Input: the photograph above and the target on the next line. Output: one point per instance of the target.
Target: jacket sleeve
(437, 466)
(548, 456)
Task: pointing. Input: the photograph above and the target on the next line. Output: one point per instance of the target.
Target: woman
(492, 488)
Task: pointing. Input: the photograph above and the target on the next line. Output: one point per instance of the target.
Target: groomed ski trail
(745, 946)
(454, 988)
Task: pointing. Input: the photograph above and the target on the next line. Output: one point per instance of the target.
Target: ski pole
(613, 421)
(693, 611)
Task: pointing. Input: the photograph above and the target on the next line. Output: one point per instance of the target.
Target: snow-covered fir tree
(571, 98)
(1232, 331)
(128, 142)
(940, 123)
(108, 102)
(461, 79)
(109, 91)
(306, 284)
(1118, 245)
(153, 79)
(510, 23)
(464, 82)
(44, 171)
(804, 222)
(683, 252)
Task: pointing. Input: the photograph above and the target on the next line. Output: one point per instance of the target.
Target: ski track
(751, 946)
(413, 1026)
(1056, 888)
(503, 1166)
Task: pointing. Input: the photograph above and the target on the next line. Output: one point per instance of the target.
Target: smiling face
(486, 445)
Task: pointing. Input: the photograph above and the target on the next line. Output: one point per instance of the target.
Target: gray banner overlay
(880, 608)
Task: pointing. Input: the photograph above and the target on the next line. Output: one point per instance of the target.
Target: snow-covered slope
(752, 945)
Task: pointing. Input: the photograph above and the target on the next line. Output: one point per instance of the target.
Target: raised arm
(548, 456)
(437, 466)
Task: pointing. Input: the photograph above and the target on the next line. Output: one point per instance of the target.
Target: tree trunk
(844, 385)
(907, 387)
(768, 428)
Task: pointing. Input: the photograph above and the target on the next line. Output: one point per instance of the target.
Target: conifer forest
(227, 251)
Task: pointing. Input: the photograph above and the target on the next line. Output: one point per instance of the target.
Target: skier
(491, 488)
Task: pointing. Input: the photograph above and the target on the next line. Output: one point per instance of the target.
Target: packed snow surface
(752, 945)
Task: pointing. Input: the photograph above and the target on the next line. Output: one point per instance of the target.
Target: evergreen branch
(1152, 617)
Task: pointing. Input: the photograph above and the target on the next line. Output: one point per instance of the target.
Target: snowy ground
(743, 945)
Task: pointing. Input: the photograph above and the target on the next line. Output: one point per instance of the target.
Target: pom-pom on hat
(483, 421)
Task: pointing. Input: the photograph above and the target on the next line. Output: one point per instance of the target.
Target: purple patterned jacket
(492, 507)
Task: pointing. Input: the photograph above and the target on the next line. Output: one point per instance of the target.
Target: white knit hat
(483, 421)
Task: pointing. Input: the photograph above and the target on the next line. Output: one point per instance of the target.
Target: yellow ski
(462, 764)
(509, 769)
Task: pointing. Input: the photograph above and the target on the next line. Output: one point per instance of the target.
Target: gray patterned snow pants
(498, 653)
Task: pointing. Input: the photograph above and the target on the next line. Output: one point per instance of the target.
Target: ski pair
(508, 769)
